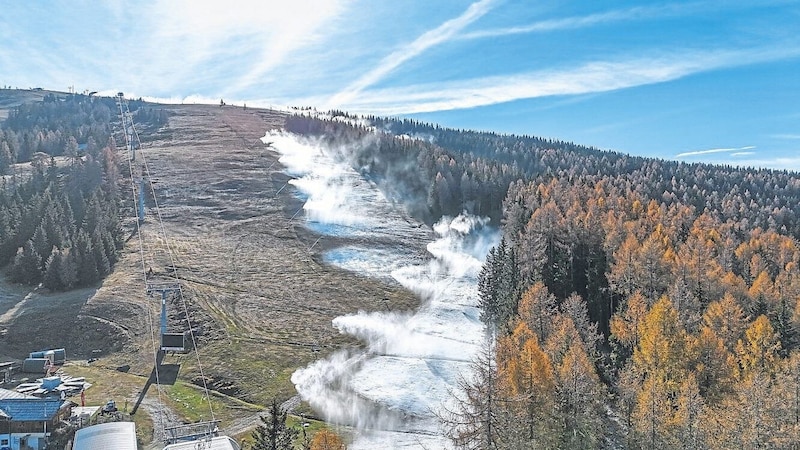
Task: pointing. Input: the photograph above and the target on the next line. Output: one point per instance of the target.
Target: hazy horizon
(702, 81)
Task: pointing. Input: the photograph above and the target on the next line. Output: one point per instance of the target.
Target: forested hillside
(60, 222)
(634, 302)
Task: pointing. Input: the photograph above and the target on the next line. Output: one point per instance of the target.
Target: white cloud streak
(431, 38)
(779, 162)
(575, 22)
(715, 150)
(591, 77)
(614, 16)
(230, 47)
(786, 136)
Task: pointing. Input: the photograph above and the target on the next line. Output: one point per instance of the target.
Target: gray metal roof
(30, 409)
(5, 393)
(111, 435)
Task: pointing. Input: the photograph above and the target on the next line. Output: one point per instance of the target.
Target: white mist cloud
(410, 361)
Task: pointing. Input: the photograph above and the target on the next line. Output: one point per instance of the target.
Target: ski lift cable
(176, 278)
(141, 254)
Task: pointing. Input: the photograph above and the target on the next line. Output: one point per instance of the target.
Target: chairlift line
(171, 287)
(127, 124)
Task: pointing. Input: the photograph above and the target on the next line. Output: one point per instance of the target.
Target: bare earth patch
(260, 301)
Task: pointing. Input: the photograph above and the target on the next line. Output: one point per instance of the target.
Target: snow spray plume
(389, 161)
(409, 361)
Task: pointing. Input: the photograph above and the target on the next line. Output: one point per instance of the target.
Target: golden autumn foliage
(726, 319)
(651, 414)
(664, 349)
(523, 368)
(326, 439)
(762, 289)
(686, 422)
(714, 365)
(536, 308)
(580, 396)
(563, 337)
(758, 352)
(700, 316)
(622, 276)
(626, 326)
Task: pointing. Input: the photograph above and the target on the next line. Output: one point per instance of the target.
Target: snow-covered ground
(390, 389)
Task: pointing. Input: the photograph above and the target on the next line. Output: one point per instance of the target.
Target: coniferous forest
(60, 222)
(634, 302)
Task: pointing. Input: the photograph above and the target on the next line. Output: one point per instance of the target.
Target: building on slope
(27, 421)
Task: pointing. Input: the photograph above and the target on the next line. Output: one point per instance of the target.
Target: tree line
(633, 302)
(60, 223)
(71, 125)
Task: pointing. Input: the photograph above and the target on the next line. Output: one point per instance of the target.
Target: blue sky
(712, 81)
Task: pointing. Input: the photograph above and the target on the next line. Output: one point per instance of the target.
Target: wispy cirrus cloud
(590, 77)
(734, 151)
(192, 45)
(610, 17)
(763, 161)
(786, 136)
(576, 22)
(162, 47)
(431, 38)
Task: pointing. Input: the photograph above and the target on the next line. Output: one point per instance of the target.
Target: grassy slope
(259, 299)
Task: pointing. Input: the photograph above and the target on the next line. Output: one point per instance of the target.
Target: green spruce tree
(273, 434)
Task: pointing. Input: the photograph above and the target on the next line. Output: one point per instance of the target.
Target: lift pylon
(175, 342)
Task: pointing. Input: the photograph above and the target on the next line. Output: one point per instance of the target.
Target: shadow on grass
(163, 374)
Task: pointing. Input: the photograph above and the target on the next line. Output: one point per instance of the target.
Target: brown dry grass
(259, 298)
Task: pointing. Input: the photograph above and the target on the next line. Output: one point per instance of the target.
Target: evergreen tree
(26, 267)
(100, 256)
(85, 262)
(68, 274)
(42, 245)
(52, 273)
(273, 434)
(6, 158)
(497, 286)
